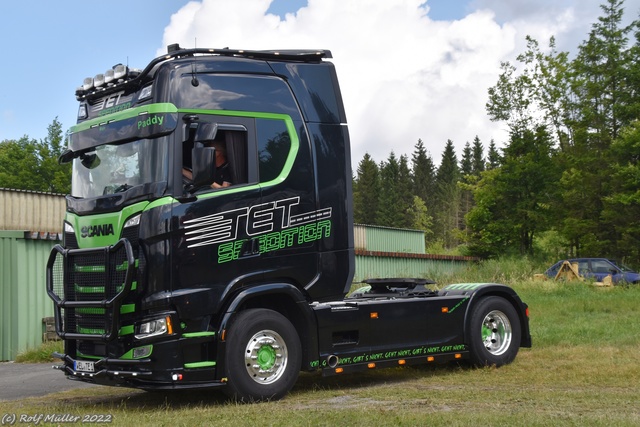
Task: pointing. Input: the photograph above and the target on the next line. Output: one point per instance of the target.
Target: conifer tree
(366, 191)
(447, 208)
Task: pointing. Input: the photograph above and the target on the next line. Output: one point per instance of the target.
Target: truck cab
(165, 280)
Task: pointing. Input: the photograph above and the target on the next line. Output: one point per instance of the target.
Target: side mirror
(66, 156)
(203, 166)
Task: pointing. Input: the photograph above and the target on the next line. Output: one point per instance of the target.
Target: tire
(263, 356)
(494, 335)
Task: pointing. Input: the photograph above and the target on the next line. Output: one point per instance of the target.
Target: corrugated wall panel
(369, 267)
(22, 288)
(392, 240)
(360, 237)
(30, 210)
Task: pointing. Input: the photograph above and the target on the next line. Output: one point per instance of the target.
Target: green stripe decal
(196, 365)
(199, 334)
(125, 114)
(127, 308)
(125, 330)
(100, 268)
(100, 289)
(90, 310)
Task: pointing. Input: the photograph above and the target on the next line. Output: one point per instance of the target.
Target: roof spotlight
(98, 80)
(87, 83)
(119, 71)
(109, 76)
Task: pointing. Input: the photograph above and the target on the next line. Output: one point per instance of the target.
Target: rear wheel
(494, 332)
(263, 356)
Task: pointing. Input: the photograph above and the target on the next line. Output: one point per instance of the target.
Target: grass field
(583, 370)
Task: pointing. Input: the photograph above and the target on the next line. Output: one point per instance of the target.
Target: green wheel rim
(266, 357)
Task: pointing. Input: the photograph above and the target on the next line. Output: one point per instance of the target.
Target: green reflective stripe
(125, 330)
(100, 268)
(123, 266)
(88, 331)
(199, 334)
(89, 268)
(195, 365)
(100, 289)
(127, 308)
(90, 310)
(88, 289)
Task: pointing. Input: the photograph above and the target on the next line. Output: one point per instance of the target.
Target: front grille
(88, 286)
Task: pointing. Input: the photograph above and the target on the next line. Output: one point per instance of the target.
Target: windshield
(111, 168)
(623, 267)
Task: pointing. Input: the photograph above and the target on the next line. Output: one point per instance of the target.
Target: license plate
(83, 366)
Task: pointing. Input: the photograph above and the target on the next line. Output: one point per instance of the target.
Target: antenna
(194, 77)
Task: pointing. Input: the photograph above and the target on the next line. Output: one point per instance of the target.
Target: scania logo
(97, 230)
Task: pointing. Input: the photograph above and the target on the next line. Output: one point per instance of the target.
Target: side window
(583, 267)
(274, 145)
(601, 267)
(230, 141)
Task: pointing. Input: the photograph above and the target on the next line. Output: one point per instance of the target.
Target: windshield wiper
(112, 189)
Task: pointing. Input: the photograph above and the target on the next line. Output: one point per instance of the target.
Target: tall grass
(581, 370)
(507, 271)
(40, 354)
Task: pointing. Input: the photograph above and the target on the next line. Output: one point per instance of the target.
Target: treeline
(566, 183)
(28, 164)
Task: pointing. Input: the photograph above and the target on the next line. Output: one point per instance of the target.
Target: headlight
(155, 327)
(134, 220)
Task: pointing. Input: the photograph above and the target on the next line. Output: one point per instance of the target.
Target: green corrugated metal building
(23, 297)
(383, 252)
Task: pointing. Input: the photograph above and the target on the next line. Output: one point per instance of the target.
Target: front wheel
(263, 356)
(494, 332)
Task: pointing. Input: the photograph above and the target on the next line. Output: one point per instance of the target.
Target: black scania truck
(163, 282)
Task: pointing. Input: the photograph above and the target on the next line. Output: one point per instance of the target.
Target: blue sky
(408, 69)
(50, 47)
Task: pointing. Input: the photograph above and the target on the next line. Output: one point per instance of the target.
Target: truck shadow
(307, 383)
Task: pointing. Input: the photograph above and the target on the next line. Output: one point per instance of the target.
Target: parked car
(598, 269)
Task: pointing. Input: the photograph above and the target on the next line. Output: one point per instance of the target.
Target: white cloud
(403, 76)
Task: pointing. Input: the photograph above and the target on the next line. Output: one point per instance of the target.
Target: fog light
(140, 352)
